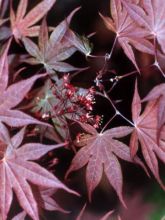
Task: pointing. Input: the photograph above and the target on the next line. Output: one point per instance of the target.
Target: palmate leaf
(52, 101)
(145, 132)
(44, 200)
(101, 154)
(51, 52)
(43, 105)
(158, 92)
(11, 96)
(23, 25)
(17, 170)
(128, 33)
(150, 15)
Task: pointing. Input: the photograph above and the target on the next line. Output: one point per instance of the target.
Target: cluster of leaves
(58, 103)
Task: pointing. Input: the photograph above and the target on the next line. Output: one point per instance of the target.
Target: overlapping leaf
(11, 96)
(44, 105)
(55, 101)
(128, 33)
(158, 92)
(47, 202)
(51, 52)
(23, 25)
(150, 15)
(44, 200)
(100, 155)
(145, 132)
(17, 170)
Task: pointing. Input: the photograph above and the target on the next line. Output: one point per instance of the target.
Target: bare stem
(79, 71)
(112, 49)
(105, 126)
(105, 95)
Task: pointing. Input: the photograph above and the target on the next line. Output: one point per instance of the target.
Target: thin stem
(114, 107)
(107, 123)
(113, 47)
(106, 57)
(95, 56)
(128, 74)
(79, 71)
(135, 71)
(107, 97)
(113, 86)
(117, 78)
(130, 122)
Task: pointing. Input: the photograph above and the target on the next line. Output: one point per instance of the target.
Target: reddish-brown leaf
(128, 33)
(23, 25)
(103, 151)
(145, 132)
(51, 52)
(11, 96)
(17, 170)
(158, 92)
(44, 201)
(149, 14)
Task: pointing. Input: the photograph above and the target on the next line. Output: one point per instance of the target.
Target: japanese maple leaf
(127, 32)
(17, 170)
(11, 96)
(44, 106)
(52, 101)
(44, 200)
(100, 154)
(150, 15)
(52, 51)
(23, 25)
(155, 93)
(145, 132)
